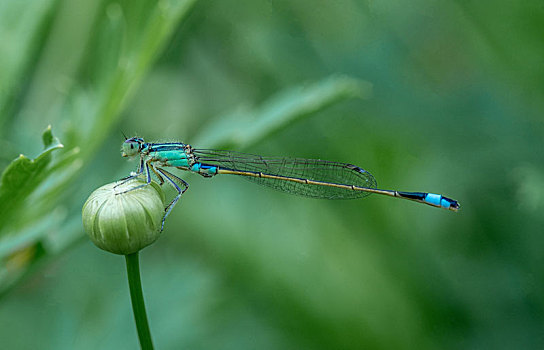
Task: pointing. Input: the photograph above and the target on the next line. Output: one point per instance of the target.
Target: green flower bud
(124, 223)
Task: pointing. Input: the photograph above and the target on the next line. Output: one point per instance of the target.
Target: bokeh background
(438, 96)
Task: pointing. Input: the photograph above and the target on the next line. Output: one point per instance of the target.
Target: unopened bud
(124, 222)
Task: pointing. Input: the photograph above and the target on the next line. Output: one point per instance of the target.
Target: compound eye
(130, 148)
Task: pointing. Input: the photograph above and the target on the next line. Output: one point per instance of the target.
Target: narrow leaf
(245, 128)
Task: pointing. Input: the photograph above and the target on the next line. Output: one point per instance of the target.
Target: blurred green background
(436, 96)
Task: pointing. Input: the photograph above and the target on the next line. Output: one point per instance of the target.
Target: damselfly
(306, 177)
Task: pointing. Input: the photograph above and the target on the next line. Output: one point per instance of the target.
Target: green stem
(137, 297)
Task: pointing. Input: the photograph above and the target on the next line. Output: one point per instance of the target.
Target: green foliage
(88, 104)
(455, 108)
(243, 129)
(22, 177)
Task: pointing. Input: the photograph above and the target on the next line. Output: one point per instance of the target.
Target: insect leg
(171, 178)
(133, 175)
(146, 166)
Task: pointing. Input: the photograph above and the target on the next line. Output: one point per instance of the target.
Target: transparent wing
(299, 168)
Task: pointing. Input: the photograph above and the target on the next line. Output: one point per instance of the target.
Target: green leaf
(47, 138)
(142, 39)
(23, 25)
(22, 177)
(245, 128)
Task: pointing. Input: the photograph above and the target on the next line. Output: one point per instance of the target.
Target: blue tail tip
(450, 204)
(436, 200)
(441, 201)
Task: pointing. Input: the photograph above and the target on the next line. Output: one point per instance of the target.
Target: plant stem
(137, 297)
